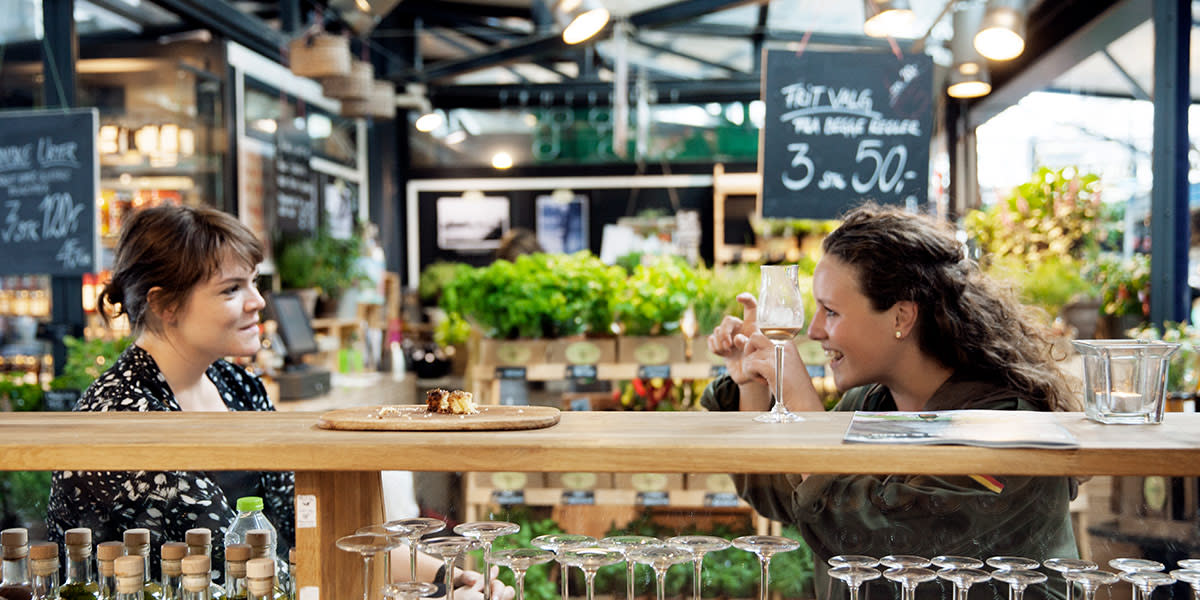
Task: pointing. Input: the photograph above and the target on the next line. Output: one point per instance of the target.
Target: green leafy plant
(1125, 284)
(1183, 376)
(656, 295)
(319, 261)
(435, 277)
(1049, 284)
(538, 582)
(86, 360)
(23, 497)
(18, 394)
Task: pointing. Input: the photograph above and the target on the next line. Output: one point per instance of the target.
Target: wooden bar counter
(337, 471)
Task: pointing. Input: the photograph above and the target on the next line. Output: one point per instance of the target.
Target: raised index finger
(749, 308)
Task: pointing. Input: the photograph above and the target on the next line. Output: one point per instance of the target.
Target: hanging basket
(320, 55)
(357, 85)
(381, 103)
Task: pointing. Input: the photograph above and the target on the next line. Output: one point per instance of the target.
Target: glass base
(778, 417)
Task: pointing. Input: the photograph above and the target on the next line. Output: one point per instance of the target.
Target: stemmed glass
(558, 543)
(1090, 581)
(660, 558)
(853, 560)
(394, 531)
(486, 532)
(1147, 581)
(765, 546)
(780, 317)
(589, 560)
(1191, 575)
(519, 560)
(1018, 580)
(449, 549)
(909, 578)
(1066, 565)
(408, 590)
(956, 562)
(368, 545)
(1190, 564)
(698, 545)
(623, 544)
(1012, 563)
(904, 561)
(417, 527)
(1133, 565)
(963, 578)
(854, 576)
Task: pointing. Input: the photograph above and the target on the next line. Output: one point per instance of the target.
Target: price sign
(295, 185)
(578, 497)
(653, 498)
(654, 372)
(842, 128)
(720, 499)
(508, 497)
(581, 371)
(510, 373)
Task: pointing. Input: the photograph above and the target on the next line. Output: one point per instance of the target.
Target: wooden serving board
(415, 417)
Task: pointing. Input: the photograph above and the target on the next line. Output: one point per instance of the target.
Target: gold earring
(898, 334)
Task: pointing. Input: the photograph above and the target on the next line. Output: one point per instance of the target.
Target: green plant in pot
(656, 296)
(320, 262)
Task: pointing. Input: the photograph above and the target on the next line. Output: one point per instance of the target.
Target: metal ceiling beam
(589, 94)
(691, 57)
(677, 12)
(815, 38)
(1135, 88)
(221, 16)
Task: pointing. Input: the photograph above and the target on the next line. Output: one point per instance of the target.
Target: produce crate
(651, 350)
(649, 482)
(582, 351)
(579, 480)
(516, 353)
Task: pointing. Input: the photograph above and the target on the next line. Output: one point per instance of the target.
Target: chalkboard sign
(49, 175)
(842, 128)
(295, 184)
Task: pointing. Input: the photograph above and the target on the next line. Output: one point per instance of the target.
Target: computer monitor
(295, 329)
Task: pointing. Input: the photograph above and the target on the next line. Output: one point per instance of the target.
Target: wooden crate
(515, 353)
(651, 350)
(582, 351)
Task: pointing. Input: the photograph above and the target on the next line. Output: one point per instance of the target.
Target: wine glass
(1012, 563)
(963, 578)
(1189, 564)
(589, 560)
(519, 560)
(1018, 580)
(956, 562)
(854, 576)
(1190, 575)
(408, 590)
(780, 317)
(1091, 580)
(1147, 581)
(1133, 565)
(557, 543)
(660, 558)
(698, 545)
(623, 544)
(394, 531)
(909, 578)
(486, 532)
(449, 549)
(853, 560)
(1066, 565)
(765, 546)
(417, 527)
(903, 561)
(368, 545)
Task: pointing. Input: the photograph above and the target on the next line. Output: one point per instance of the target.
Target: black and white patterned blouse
(168, 503)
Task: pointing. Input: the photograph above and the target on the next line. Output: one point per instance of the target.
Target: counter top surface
(582, 441)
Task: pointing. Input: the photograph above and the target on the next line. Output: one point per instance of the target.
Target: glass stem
(629, 581)
(387, 567)
(564, 572)
(591, 584)
(449, 578)
(660, 577)
(1070, 589)
(1015, 592)
(960, 592)
(366, 576)
(696, 581)
(487, 573)
(854, 590)
(908, 591)
(778, 408)
(520, 584)
(412, 559)
(764, 578)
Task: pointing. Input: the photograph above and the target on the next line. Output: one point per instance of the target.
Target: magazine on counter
(991, 428)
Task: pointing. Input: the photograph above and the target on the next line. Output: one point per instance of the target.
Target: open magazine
(991, 428)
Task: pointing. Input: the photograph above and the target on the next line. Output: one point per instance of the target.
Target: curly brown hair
(966, 320)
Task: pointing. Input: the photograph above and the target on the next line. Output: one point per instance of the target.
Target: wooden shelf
(604, 371)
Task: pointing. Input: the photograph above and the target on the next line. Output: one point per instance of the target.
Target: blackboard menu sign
(295, 185)
(49, 176)
(842, 128)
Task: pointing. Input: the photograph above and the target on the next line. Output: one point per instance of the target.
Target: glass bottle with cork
(43, 565)
(236, 556)
(130, 576)
(106, 555)
(199, 543)
(14, 574)
(137, 543)
(171, 569)
(197, 581)
(260, 547)
(79, 583)
(260, 579)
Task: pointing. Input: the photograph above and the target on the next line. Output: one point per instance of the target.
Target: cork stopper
(292, 558)
(258, 538)
(174, 550)
(199, 536)
(260, 567)
(137, 537)
(109, 551)
(15, 542)
(237, 552)
(129, 574)
(79, 536)
(196, 565)
(43, 558)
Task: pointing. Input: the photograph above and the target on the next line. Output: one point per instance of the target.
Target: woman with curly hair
(908, 323)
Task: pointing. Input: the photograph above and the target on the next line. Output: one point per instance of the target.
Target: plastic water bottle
(250, 516)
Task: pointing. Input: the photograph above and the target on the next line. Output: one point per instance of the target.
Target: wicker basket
(357, 85)
(321, 55)
(381, 103)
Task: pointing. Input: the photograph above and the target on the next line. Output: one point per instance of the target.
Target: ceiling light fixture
(363, 5)
(429, 121)
(968, 76)
(1001, 35)
(888, 18)
(582, 19)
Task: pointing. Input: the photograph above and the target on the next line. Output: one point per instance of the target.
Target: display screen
(294, 326)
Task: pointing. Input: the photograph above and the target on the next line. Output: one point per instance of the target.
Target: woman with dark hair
(908, 323)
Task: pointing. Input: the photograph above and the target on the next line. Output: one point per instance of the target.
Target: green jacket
(925, 515)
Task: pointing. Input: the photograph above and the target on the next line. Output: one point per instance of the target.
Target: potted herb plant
(321, 262)
(649, 309)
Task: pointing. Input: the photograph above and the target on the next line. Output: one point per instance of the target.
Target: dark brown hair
(965, 320)
(173, 248)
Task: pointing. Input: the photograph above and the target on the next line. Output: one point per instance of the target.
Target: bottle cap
(79, 536)
(109, 551)
(15, 542)
(237, 552)
(258, 538)
(43, 551)
(196, 565)
(199, 536)
(174, 550)
(260, 568)
(129, 566)
(137, 537)
(249, 503)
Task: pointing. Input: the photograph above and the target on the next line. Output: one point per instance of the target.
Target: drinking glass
(1012, 563)
(1190, 564)
(1147, 581)
(557, 543)
(417, 527)
(449, 549)
(780, 317)
(519, 560)
(368, 545)
(1133, 565)
(398, 532)
(698, 545)
(623, 544)
(1190, 575)
(854, 576)
(963, 578)
(1018, 580)
(660, 558)
(1090, 581)
(902, 561)
(486, 532)
(853, 560)
(408, 590)
(765, 546)
(909, 578)
(956, 562)
(1066, 565)
(589, 560)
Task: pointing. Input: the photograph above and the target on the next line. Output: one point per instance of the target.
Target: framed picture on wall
(471, 222)
(562, 222)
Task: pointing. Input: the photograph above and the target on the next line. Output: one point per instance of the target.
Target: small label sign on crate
(510, 373)
(718, 371)
(720, 500)
(653, 498)
(654, 371)
(581, 372)
(578, 497)
(508, 497)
